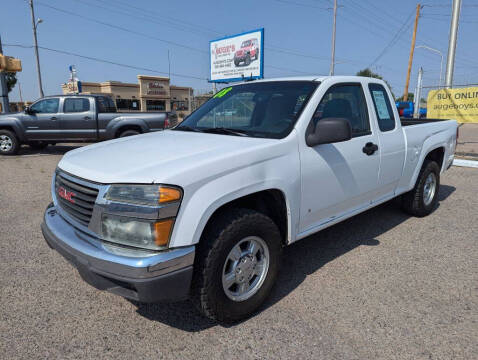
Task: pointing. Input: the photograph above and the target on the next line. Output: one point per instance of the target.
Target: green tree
(369, 73)
(11, 80)
(410, 97)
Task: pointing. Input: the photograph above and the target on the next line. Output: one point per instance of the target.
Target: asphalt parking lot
(381, 285)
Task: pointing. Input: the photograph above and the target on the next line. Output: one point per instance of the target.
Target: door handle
(369, 148)
(53, 118)
(87, 118)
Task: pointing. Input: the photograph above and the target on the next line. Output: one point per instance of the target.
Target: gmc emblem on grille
(65, 194)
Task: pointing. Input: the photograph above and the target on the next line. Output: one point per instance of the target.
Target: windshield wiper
(226, 131)
(187, 128)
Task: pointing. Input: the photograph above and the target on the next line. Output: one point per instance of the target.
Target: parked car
(75, 118)
(406, 109)
(204, 209)
(249, 51)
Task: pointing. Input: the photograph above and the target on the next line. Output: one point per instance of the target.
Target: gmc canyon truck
(75, 118)
(203, 210)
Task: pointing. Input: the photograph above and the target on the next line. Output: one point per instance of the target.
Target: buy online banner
(458, 104)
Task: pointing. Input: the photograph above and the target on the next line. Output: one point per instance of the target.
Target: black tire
(247, 62)
(38, 145)
(413, 202)
(257, 54)
(219, 238)
(129, 132)
(9, 144)
(236, 62)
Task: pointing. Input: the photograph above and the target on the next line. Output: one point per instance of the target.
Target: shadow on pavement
(299, 260)
(49, 150)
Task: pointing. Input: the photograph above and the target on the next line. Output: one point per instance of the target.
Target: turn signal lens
(168, 194)
(162, 232)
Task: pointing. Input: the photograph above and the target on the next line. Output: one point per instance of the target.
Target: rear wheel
(237, 263)
(9, 144)
(130, 132)
(423, 198)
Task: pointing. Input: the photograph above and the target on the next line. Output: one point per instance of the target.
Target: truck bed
(418, 121)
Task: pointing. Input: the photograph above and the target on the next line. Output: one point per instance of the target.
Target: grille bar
(82, 199)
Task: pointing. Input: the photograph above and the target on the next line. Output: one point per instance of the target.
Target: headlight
(145, 234)
(133, 230)
(152, 195)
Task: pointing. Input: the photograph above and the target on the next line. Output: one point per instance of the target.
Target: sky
(297, 39)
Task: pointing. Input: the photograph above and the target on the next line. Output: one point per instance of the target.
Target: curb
(465, 163)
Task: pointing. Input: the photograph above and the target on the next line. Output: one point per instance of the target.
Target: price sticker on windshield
(223, 92)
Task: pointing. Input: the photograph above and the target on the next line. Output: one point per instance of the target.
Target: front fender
(201, 200)
(14, 124)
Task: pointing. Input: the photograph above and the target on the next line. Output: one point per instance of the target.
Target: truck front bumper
(134, 274)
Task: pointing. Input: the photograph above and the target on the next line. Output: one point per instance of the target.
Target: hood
(170, 157)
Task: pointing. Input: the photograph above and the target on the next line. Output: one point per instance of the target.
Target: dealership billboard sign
(237, 57)
(458, 104)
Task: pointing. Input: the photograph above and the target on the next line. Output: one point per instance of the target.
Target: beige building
(151, 93)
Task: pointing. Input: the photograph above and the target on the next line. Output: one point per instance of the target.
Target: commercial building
(151, 93)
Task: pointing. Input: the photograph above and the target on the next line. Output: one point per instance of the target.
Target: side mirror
(28, 111)
(329, 130)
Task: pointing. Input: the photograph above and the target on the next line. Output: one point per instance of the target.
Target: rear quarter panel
(420, 141)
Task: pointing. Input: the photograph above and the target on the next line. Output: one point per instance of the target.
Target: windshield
(263, 109)
(246, 44)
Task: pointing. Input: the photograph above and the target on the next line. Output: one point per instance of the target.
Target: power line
(121, 28)
(64, 52)
(300, 4)
(394, 40)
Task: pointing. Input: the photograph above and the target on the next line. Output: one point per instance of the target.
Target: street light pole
(450, 60)
(35, 41)
(441, 61)
(332, 60)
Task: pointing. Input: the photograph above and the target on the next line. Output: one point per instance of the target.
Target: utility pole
(412, 49)
(189, 101)
(3, 88)
(214, 89)
(35, 41)
(169, 67)
(332, 60)
(418, 94)
(20, 91)
(450, 61)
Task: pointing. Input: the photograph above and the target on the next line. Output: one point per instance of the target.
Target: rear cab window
(382, 106)
(105, 104)
(73, 105)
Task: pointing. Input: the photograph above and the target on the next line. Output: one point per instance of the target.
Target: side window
(73, 105)
(46, 106)
(383, 109)
(345, 101)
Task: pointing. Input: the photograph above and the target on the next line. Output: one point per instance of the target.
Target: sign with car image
(237, 57)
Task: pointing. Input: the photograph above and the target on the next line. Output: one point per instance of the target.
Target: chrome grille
(76, 199)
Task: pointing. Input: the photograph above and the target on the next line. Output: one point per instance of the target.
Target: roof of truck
(319, 78)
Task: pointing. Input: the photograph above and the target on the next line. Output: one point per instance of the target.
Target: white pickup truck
(204, 209)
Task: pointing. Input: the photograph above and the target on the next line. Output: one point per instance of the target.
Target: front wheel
(9, 144)
(423, 198)
(237, 264)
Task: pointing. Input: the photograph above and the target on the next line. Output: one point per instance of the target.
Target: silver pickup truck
(75, 118)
